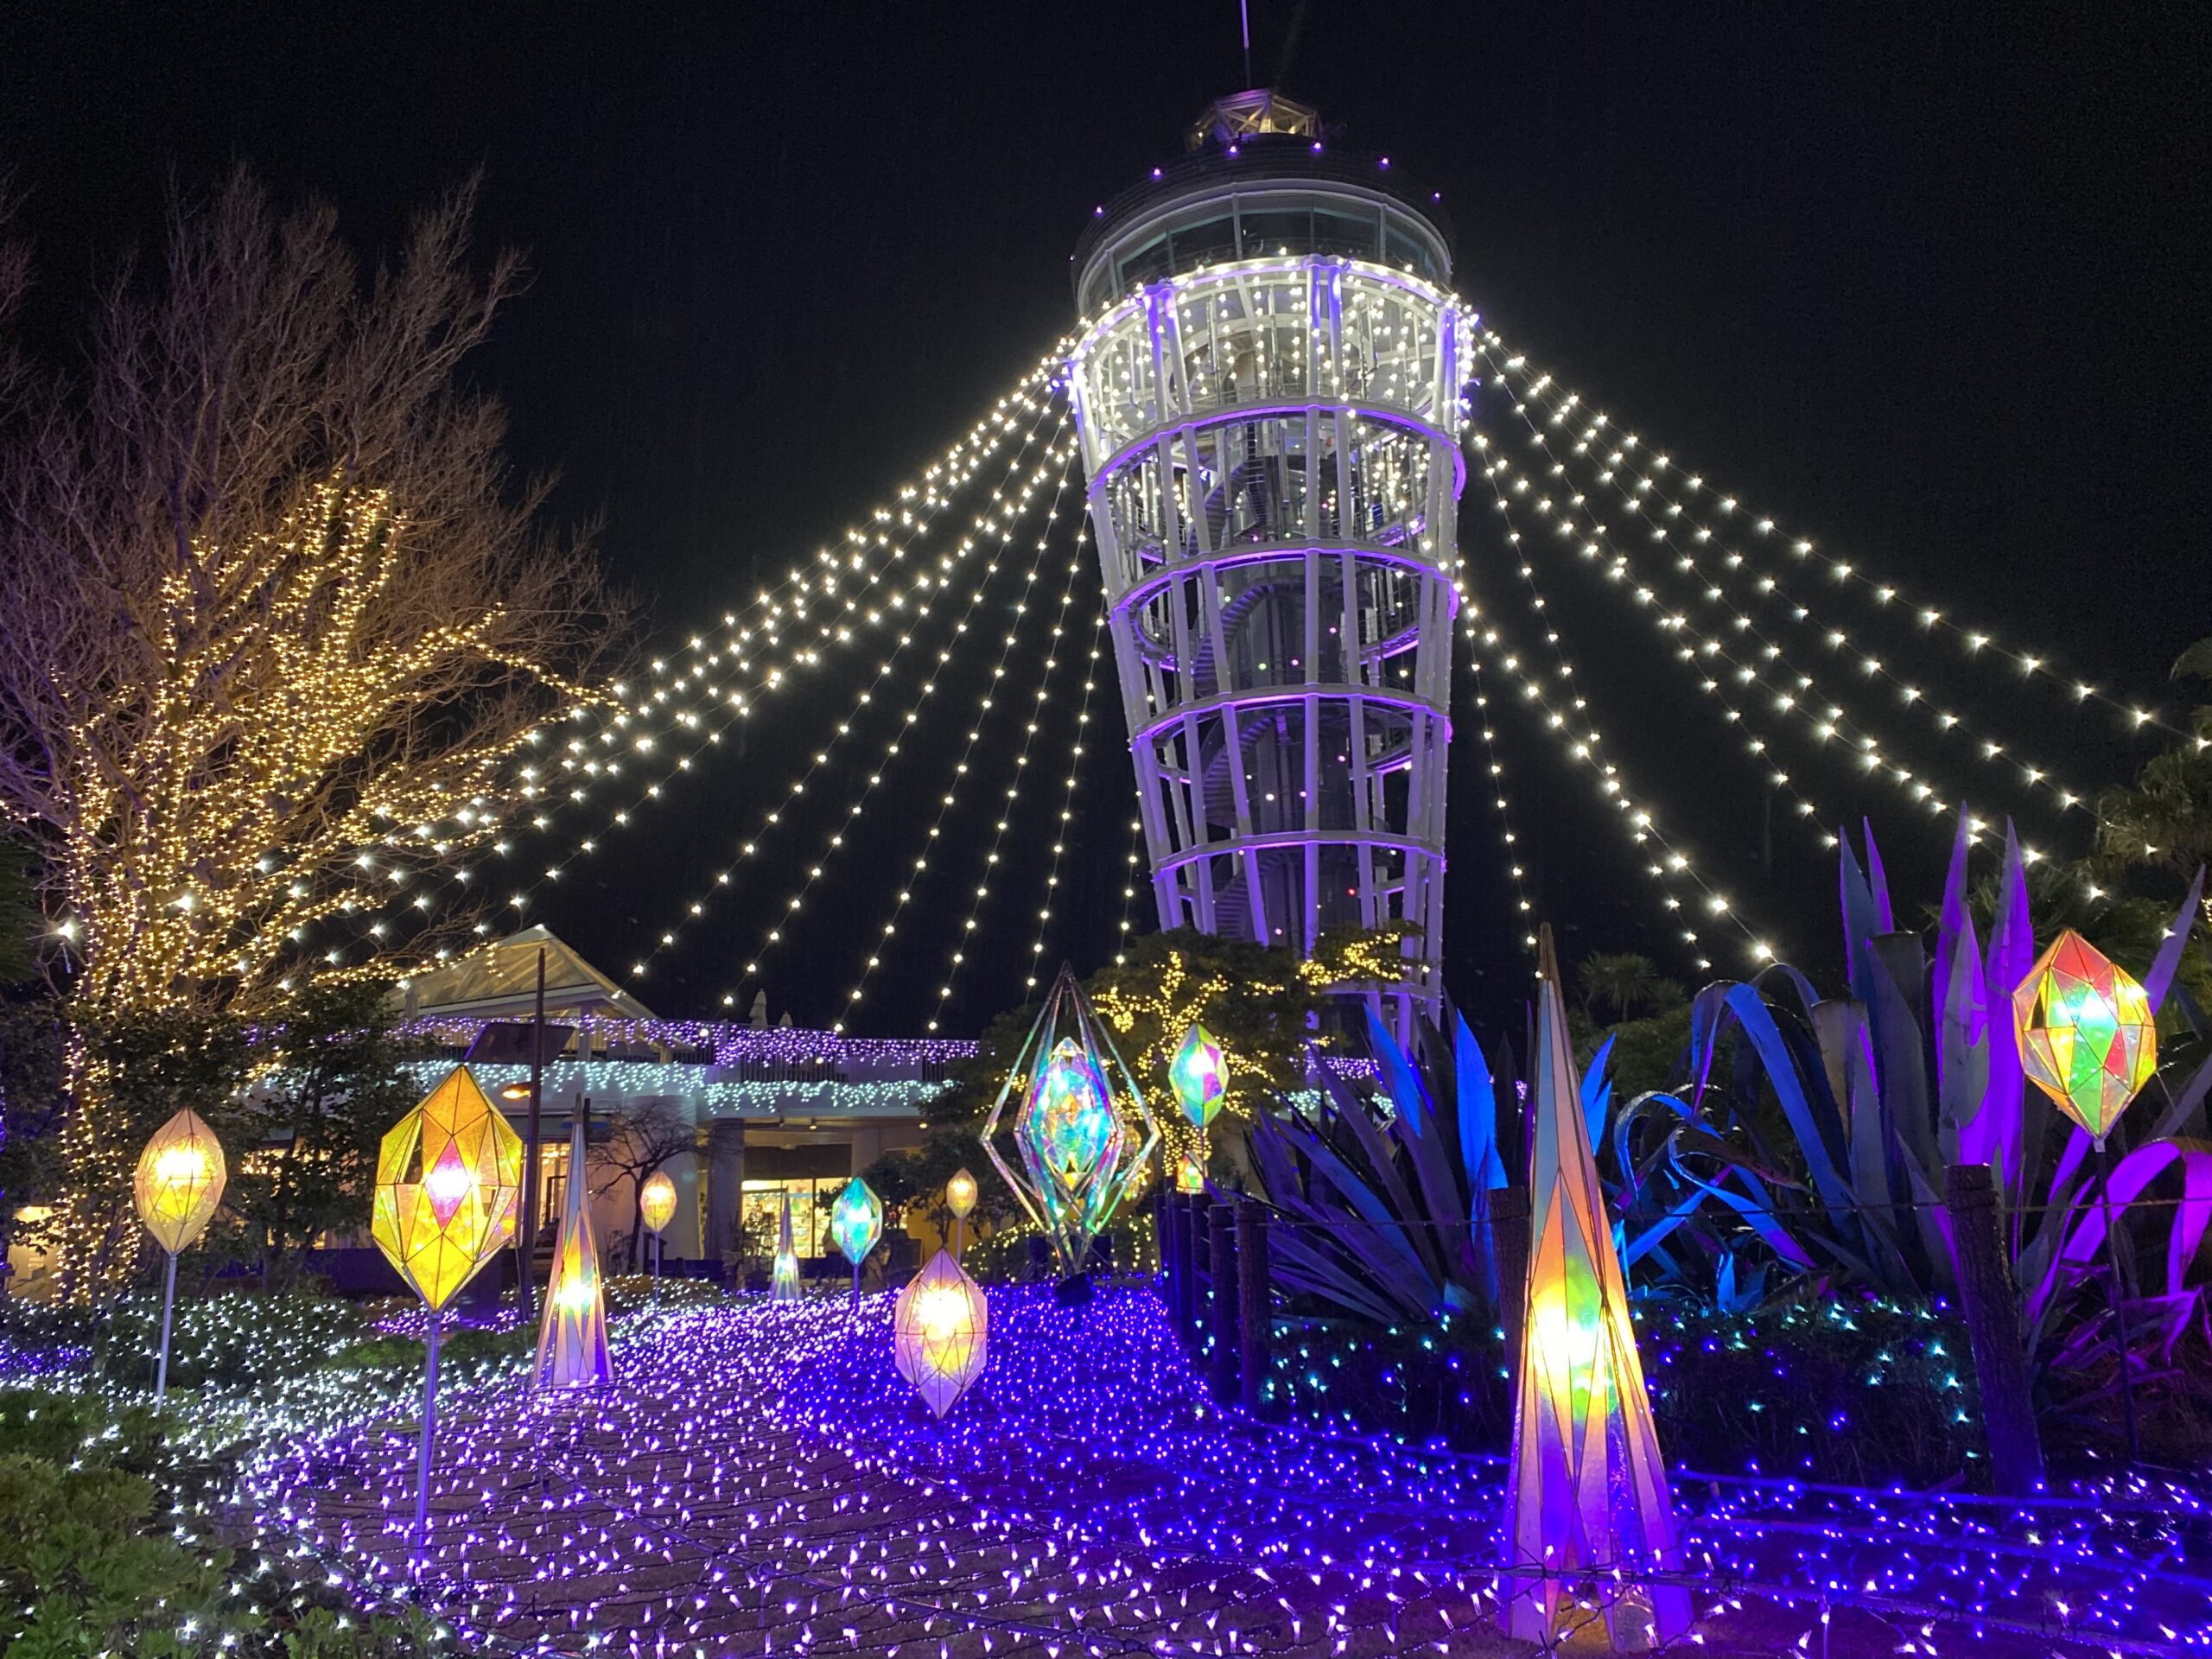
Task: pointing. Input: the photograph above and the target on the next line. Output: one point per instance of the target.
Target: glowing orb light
(785, 1286)
(856, 1221)
(940, 1333)
(449, 1176)
(1083, 1143)
(960, 1195)
(657, 1202)
(2087, 1038)
(1200, 1076)
(179, 1181)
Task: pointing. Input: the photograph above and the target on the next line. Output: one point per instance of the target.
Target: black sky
(1924, 281)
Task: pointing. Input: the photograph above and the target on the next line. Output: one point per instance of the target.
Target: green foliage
(918, 1178)
(1625, 986)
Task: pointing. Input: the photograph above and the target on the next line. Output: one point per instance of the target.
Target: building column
(725, 1186)
(868, 1144)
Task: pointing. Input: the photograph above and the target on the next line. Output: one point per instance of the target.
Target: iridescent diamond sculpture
(1586, 1499)
(856, 1221)
(2087, 1038)
(1083, 1129)
(940, 1333)
(1191, 1173)
(572, 1331)
(449, 1176)
(179, 1181)
(1200, 1076)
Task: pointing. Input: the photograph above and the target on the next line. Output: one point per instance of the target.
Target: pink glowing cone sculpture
(572, 1332)
(941, 1332)
(1587, 1492)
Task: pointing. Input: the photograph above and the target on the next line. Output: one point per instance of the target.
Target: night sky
(1925, 286)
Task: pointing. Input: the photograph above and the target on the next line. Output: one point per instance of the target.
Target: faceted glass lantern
(448, 1176)
(941, 1332)
(179, 1181)
(1200, 1076)
(1190, 1173)
(657, 1202)
(856, 1221)
(960, 1195)
(1068, 1125)
(2087, 1037)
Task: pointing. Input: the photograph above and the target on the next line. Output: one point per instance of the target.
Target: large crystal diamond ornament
(448, 1176)
(2087, 1039)
(1200, 1076)
(940, 1333)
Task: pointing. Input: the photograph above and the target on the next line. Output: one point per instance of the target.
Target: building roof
(502, 977)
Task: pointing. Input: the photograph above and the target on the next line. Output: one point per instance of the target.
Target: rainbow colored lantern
(179, 1181)
(940, 1333)
(785, 1288)
(856, 1221)
(657, 1202)
(960, 1195)
(449, 1176)
(1082, 1148)
(572, 1330)
(1199, 1076)
(2087, 1037)
(1588, 1511)
(1190, 1173)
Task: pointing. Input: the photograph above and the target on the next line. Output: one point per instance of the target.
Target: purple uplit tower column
(1270, 400)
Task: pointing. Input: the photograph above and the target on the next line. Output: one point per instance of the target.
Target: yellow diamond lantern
(2087, 1037)
(449, 1176)
(179, 1181)
(657, 1202)
(941, 1332)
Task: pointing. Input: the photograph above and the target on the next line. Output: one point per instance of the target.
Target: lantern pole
(422, 1460)
(526, 1240)
(169, 1305)
(2118, 1305)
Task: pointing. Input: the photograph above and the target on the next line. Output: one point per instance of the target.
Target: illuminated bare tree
(646, 1138)
(277, 629)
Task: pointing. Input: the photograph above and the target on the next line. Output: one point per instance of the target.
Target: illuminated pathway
(764, 1483)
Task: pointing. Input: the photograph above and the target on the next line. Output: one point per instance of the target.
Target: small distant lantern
(2087, 1037)
(960, 1197)
(177, 1185)
(448, 1180)
(1191, 1173)
(785, 1286)
(656, 1208)
(1199, 1076)
(940, 1333)
(855, 1223)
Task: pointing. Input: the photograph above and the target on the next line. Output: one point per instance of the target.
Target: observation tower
(1268, 395)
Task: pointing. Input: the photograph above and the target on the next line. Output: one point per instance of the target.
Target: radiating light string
(1524, 906)
(1979, 645)
(698, 908)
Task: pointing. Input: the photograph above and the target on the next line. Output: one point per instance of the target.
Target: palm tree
(2162, 821)
(1626, 983)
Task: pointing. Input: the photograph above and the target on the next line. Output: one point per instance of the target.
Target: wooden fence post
(1991, 1303)
(1194, 1317)
(1255, 1306)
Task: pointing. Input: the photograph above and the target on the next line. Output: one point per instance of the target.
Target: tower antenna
(1245, 16)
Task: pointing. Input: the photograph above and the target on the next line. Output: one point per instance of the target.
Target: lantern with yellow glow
(785, 1286)
(448, 1179)
(960, 1197)
(2087, 1037)
(940, 1333)
(656, 1208)
(572, 1329)
(177, 1185)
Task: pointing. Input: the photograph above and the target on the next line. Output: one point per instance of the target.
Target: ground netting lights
(762, 1479)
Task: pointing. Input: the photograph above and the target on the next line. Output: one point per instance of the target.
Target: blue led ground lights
(761, 1480)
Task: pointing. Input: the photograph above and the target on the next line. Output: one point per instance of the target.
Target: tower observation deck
(1270, 404)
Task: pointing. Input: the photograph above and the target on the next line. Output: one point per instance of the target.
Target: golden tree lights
(572, 1330)
(1587, 1504)
(178, 1185)
(940, 1333)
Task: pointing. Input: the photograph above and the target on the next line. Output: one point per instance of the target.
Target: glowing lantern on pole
(656, 1208)
(2089, 1040)
(177, 1185)
(855, 1222)
(940, 1333)
(785, 1286)
(1200, 1076)
(572, 1330)
(960, 1197)
(448, 1176)
(1082, 1149)
(1587, 1492)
